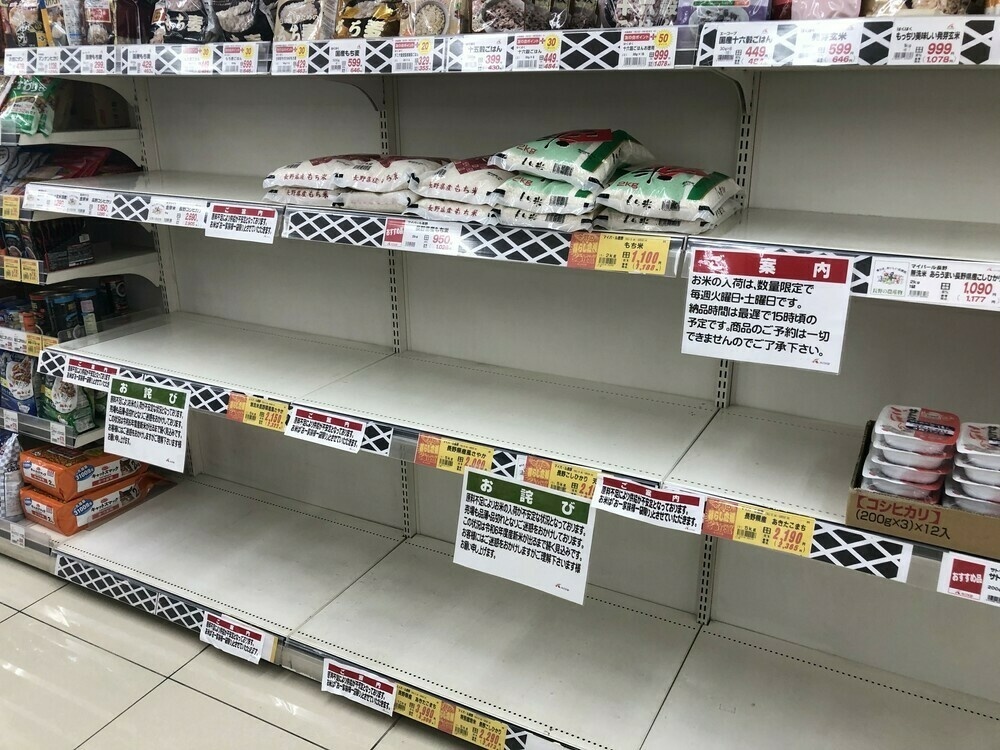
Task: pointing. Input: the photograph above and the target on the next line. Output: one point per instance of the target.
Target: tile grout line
(126, 709)
(392, 725)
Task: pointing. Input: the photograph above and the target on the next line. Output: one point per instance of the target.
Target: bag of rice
(301, 196)
(433, 208)
(316, 173)
(615, 221)
(382, 174)
(465, 181)
(515, 217)
(380, 203)
(669, 193)
(585, 158)
(539, 195)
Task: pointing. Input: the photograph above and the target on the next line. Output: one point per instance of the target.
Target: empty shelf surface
(195, 185)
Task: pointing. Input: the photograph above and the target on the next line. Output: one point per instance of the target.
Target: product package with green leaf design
(676, 193)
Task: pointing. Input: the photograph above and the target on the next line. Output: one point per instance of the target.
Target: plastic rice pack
(677, 193)
(538, 194)
(465, 181)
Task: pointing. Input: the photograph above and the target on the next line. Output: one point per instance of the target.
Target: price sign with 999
(933, 40)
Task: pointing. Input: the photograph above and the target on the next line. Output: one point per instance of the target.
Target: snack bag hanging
(675, 193)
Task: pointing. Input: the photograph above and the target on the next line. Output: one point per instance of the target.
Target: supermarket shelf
(49, 431)
(38, 544)
(268, 561)
(117, 261)
(244, 58)
(591, 676)
(741, 689)
(125, 140)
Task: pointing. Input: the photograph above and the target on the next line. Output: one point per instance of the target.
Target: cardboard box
(934, 525)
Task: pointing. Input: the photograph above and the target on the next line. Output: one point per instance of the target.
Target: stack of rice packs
(464, 190)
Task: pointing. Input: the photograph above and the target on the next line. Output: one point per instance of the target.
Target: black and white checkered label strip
(861, 551)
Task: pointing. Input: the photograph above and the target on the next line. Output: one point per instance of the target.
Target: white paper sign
(237, 222)
(413, 55)
(96, 375)
(745, 45)
(970, 577)
(771, 308)
(672, 509)
(648, 48)
(954, 283)
(537, 51)
(484, 53)
(550, 547)
(177, 212)
(17, 535)
(326, 429)
(57, 433)
(835, 42)
(442, 238)
(359, 685)
(15, 61)
(236, 638)
(347, 56)
(147, 422)
(931, 40)
(10, 422)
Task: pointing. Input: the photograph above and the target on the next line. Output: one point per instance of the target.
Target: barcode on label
(919, 293)
(559, 200)
(633, 61)
(725, 58)
(526, 63)
(403, 66)
(670, 206)
(993, 599)
(566, 169)
(746, 533)
(903, 55)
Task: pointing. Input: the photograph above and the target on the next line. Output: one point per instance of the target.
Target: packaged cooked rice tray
(667, 192)
(541, 195)
(466, 181)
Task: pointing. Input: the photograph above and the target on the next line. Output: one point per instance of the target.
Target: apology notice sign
(538, 537)
(768, 308)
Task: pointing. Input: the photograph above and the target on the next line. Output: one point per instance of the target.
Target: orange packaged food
(69, 517)
(66, 473)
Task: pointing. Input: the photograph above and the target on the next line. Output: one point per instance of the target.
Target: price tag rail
(217, 58)
(43, 429)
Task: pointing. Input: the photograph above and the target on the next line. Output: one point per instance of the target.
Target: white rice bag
(301, 196)
(615, 221)
(380, 203)
(675, 193)
(316, 173)
(585, 158)
(469, 213)
(383, 174)
(515, 217)
(541, 195)
(465, 181)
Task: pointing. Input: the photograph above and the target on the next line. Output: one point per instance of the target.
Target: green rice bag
(676, 193)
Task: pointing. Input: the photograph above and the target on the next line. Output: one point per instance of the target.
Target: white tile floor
(78, 670)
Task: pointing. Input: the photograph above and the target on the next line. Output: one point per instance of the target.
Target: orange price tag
(451, 719)
(11, 207)
(452, 455)
(11, 268)
(30, 271)
(257, 411)
(761, 527)
(576, 480)
(624, 253)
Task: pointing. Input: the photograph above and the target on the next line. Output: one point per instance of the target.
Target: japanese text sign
(147, 422)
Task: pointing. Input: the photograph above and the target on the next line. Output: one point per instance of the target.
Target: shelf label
(413, 55)
(484, 53)
(648, 48)
(100, 203)
(196, 59)
(931, 40)
(457, 721)
(257, 411)
(57, 433)
(12, 207)
(48, 341)
(237, 638)
(624, 253)
(443, 238)
(12, 340)
(769, 308)
(17, 535)
(532, 536)
(11, 268)
(347, 56)
(970, 578)
(670, 508)
(141, 59)
(833, 42)
(10, 422)
(953, 283)
(555, 475)
(31, 271)
(537, 51)
(761, 527)
(326, 429)
(15, 61)
(290, 59)
(452, 455)
(96, 375)
(745, 45)
(147, 422)
(247, 223)
(359, 685)
(177, 212)
(33, 344)
(47, 61)
(93, 61)
(35, 198)
(239, 59)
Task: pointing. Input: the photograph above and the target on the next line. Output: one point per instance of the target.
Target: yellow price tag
(11, 207)
(205, 52)
(247, 52)
(663, 38)
(452, 455)
(761, 527)
(576, 480)
(11, 268)
(424, 46)
(446, 717)
(418, 706)
(48, 341)
(33, 344)
(260, 412)
(551, 43)
(301, 51)
(479, 730)
(624, 253)
(30, 271)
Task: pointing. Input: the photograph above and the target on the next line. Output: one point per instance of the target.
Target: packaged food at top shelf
(60, 23)
(40, 104)
(10, 469)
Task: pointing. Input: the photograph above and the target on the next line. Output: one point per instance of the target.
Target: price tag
(537, 51)
(930, 40)
(457, 721)
(33, 344)
(442, 238)
(239, 59)
(452, 455)
(17, 535)
(147, 422)
(177, 212)
(15, 61)
(10, 422)
(347, 56)
(359, 685)
(11, 268)
(624, 253)
(761, 527)
(30, 271)
(970, 577)
(100, 203)
(36, 198)
(769, 308)
(196, 59)
(676, 509)
(10, 342)
(57, 433)
(834, 42)
(413, 55)
(326, 429)
(258, 411)
(88, 374)
(48, 341)
(237, 638)
(93, 61)
(12, 207)
(141, 59)
(575, 480)
(48, 61)
(237, 222)
(486, 53)
(648, 48)
(953, 283)
(290, 59)
(745, 45)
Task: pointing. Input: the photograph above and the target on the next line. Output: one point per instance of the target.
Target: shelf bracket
(743, 80)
